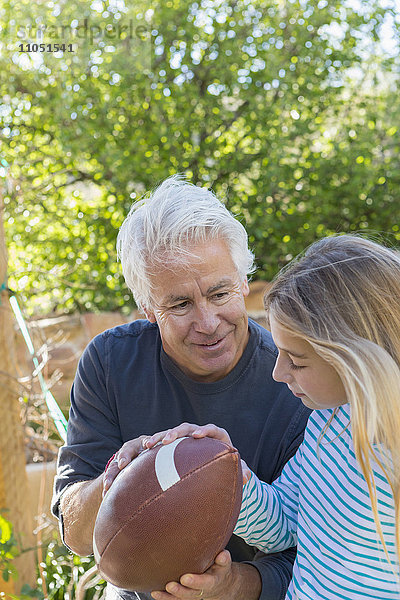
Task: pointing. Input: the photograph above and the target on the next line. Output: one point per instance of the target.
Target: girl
(334, 315)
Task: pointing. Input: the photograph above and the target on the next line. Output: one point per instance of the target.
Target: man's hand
(122, 458)
(188, 429)
(224, 580)
(133, 448)
(195, 431)
(80, 502)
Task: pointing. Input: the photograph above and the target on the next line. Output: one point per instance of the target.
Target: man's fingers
(122, 458)
(109, 476)
(152, 440)
(223, 559)
(163, 596)
(185, 593)
(189, 429)
(170, 435)
(183, 430)
(131, 450)
(207, 581)
(213, 431)
(210, 584)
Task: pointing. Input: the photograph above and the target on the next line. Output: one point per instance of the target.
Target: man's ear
(150, 316)
(245, 288)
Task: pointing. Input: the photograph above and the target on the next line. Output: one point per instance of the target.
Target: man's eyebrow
(171, 299)
(221, 284)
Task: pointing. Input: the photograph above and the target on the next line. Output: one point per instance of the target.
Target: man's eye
(181, 305)
(220, 295)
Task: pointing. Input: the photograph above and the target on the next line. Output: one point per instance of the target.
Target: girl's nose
(281, 371)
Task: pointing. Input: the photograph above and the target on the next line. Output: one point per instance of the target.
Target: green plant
(8, 549)
(63, 576)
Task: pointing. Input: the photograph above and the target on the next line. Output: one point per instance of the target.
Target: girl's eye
(294, 367)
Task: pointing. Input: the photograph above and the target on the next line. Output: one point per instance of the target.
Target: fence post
(14, 496)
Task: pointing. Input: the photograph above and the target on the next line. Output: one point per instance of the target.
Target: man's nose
(206, 320)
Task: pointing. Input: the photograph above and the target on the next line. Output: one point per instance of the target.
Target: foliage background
(287, 109)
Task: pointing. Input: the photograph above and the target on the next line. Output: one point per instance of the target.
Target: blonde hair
(343, 297)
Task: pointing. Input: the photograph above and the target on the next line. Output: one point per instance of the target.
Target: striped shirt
(321, 503)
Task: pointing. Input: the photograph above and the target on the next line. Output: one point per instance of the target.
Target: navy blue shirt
(126, 386)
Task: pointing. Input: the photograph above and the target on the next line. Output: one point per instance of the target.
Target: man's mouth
(213, 344)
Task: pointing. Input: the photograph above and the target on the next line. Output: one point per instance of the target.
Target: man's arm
(80, 502)
(93, 436)
(276, 573)
(79, 505)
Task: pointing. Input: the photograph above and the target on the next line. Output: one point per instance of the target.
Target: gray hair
(160, 225)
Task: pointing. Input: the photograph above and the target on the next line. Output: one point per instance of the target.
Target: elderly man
(195, 358)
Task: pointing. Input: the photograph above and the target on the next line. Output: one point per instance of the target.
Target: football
(169, 512)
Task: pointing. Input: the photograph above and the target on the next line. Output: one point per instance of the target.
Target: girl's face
(307, 375)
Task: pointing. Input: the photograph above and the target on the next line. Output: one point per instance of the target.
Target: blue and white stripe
(321, 502)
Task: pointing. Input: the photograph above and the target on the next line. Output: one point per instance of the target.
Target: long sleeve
(322, 500)
(268, 516)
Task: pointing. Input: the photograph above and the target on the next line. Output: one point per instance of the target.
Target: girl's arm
(268, 515)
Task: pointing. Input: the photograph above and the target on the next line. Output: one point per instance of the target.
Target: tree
(283, 108)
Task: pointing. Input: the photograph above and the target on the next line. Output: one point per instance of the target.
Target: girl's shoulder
(337, 417)
(330, 425)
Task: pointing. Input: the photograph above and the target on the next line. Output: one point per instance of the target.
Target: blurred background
(288, 110)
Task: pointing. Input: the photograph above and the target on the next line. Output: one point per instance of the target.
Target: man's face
(200, 311)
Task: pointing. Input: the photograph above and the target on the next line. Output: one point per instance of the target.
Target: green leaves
(8, 549)
(288, 110)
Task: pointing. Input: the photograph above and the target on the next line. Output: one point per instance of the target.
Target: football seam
(154, 498)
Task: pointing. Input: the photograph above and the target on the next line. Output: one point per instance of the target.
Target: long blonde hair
(343, 297)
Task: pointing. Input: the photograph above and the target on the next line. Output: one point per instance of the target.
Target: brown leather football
(169, 512)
